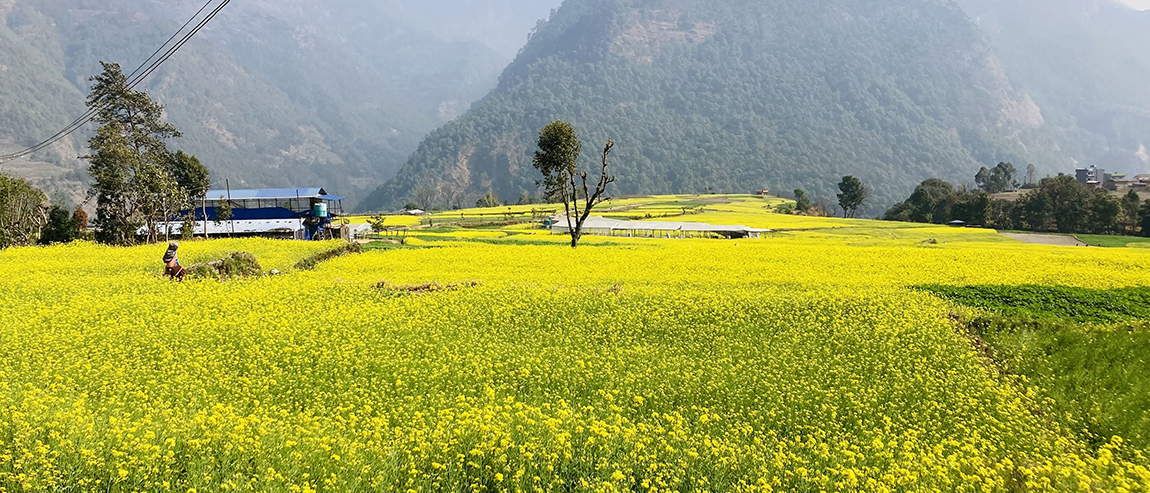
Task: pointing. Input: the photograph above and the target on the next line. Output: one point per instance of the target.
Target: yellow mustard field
(797, 362)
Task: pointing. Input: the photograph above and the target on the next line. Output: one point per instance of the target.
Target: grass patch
(1114, 241)
(440, 229)
(690, 204)
(310, 262)
(387, 245)
(1078, 305)
(1097, 379)
(1084, 350)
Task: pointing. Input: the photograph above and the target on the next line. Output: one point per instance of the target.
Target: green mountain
(335, 93)
(734, 95)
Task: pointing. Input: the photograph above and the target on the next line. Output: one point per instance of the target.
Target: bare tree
(452, 194)
(425, 196)
(557, 159)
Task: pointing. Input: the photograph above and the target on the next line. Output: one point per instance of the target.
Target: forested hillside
(334, 93)
(1087, 64)
(734, 95)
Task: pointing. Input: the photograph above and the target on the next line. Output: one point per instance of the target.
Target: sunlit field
(467, 361)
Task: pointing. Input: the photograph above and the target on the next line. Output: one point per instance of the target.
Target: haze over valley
(373, 98)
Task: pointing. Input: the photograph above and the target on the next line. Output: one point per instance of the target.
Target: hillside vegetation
(735, 95)
(334, 94)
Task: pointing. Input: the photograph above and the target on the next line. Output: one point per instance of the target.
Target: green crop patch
(1078, 305)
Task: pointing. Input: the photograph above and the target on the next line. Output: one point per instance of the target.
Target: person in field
(171, 257)
(172, 267)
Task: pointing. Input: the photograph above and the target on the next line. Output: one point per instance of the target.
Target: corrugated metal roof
(268, 193)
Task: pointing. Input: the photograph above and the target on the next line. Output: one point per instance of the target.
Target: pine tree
(130, 164)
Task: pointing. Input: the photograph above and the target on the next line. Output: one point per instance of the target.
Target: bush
(235, 265)
(61, 227)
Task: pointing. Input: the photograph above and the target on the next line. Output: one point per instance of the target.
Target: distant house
(280, 212)
(1095, 177)
(762, 192)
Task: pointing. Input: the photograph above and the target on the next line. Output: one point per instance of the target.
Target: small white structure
(596, 225)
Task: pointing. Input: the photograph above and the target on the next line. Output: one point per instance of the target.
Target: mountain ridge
(743, 95)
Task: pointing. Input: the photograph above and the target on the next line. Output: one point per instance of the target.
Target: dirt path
(1057, 240)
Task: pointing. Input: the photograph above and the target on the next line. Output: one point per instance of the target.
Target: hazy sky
(1138, 4)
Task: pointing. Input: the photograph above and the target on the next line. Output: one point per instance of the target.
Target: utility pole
(231, 222)
(204, 209)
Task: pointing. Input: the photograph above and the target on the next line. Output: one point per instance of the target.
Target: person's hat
(173, 245)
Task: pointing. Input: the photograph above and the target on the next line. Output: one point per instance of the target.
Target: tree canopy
(137, 181)
(23, 210)
(852, 195)
(1059, 204)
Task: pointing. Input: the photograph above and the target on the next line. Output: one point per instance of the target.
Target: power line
(177, 33)
(135, 78)
(80, 122)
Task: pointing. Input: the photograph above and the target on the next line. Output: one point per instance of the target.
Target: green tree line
(1056, 204)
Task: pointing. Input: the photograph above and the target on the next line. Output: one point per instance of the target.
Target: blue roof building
(287, 212)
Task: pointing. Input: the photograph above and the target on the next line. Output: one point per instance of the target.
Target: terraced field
(498, 359)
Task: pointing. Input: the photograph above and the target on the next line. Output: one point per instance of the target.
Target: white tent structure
(596, 225)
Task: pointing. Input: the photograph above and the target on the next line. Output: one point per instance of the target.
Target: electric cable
(135, 78)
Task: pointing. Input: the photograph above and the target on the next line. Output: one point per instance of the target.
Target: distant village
(1097, 178)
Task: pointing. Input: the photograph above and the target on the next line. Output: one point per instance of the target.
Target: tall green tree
(802, 201)
(558, 160)
(1131, 211)
(1145, 222)
(23, 212)
(223, 213)
(60, 228)
(982, 178)
(852, 195)
(1001, 178)
(130, 162)
(1105, 213)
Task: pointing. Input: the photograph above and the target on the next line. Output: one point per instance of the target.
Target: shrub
(235, 265)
